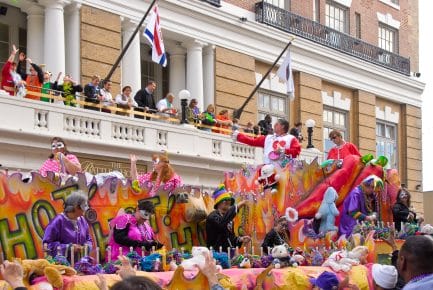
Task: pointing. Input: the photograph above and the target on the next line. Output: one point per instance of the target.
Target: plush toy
(344, 260)
(198, 258)
(281, 255)
(42, 267)
(427, 229)
(246, 263)
(268, 178)
(328, 211)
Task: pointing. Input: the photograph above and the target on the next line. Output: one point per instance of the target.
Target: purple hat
(326, 281)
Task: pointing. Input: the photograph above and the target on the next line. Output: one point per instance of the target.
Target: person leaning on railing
(91, 93)
(34, 81)
(68, 90)
(125, 101)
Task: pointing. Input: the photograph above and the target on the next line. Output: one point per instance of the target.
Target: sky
(426, 61)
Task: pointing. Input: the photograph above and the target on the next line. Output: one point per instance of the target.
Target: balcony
(216, 3)
(316, 32)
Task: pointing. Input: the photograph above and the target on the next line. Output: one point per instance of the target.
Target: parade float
(297, 191)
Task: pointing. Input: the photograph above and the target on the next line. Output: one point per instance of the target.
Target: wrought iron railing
(284, 20)
(216, 3)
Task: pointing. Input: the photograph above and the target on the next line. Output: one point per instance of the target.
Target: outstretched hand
(133, 158)
(125, 270)
(101, 282)
(12, 272)
(210, 269)
(14, 49)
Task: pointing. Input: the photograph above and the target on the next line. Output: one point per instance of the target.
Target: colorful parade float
(299, 191)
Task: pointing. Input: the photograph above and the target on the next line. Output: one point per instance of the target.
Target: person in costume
(274, 146)
(342, 148)
(360, 204)
(60, 161)
(69, 228)
(279, 235)
(402, 211)
(133, 230)
(219, 223)
(161, 175)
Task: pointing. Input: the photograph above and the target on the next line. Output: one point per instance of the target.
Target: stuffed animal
(427, 229)
(328, 211)
(268, 178)
(42, 267)
(344, 260)
(246, 263)
(197, 260)
(281, 255)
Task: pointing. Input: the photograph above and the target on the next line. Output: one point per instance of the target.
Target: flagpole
(122, 53)
(238, 112)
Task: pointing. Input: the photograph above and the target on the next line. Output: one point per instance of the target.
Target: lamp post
(310, 123)
(184, 95)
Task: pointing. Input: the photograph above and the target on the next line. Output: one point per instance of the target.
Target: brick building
(353, 64)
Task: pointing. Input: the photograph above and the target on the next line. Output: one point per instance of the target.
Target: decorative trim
(388, 20)
(387, 115)
(336, 101)
(389, 3)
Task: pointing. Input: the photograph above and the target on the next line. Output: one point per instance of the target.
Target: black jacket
(271, 240)
(91, 93)
(144, 99)
(220, 232)
(400, 213)
(121, 237)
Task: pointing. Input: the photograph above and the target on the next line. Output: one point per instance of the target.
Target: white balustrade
(128, 133)
(41, 119)
(216, 148)
(243, 151)
(81, 125)
(162, 138)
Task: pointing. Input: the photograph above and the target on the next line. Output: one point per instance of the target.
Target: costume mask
(57, 145)
(145, 214)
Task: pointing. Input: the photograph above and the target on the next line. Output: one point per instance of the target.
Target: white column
(194, 71)
(177, 70)
(72, 41)
(209, 75)
(35, 32)
(54, 37)
(131, 64)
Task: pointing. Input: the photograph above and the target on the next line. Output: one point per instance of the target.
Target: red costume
(339, 152)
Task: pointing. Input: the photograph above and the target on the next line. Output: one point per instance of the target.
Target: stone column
(209, 75)
(72, 41)
(131, 64)
(177, 70)
(35, 32)
(194, 70)
(54, 37)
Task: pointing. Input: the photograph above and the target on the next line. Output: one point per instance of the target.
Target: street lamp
(310, 123)
(184, 95)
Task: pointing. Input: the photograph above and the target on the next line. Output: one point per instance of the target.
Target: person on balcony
(8, 83)
(193, 112)
(47, 88)
(22, 65)
(146, 100)
(275, 146)
(60, 161)
(208, 118)
(106, 98)
(165, 107)
(265, 125)
(133, 230)
(91, 93)
(342, 148)
(68, 90)
(162, 175)
(34, 81)
(69, 228)
(125, 101)
(223, 122)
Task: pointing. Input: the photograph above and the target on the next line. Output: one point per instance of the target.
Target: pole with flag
(154, 35)
(128, 44)
(286, 76)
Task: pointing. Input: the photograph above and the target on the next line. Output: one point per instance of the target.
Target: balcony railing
(216, 3)
(314, 31)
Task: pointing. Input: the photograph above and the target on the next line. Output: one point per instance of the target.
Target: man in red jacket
(342, 148)
(275, 146)
(7, 82)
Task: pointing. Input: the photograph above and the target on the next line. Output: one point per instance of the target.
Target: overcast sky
(426, 61)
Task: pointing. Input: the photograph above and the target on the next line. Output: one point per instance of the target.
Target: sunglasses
(58, 145)
(333, 137)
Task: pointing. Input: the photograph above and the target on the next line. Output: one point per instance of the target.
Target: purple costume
(354, 208)
(141, 233)
(61, 233)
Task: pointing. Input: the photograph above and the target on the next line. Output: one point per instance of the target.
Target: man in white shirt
(165, 107)
(105, 97)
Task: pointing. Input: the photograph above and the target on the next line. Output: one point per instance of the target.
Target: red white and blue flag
(154, 36)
